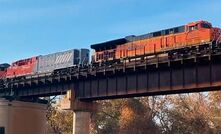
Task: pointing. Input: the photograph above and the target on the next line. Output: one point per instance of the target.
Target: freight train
(192, 38)
(45, 64)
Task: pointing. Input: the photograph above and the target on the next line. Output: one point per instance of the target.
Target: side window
(191, 28)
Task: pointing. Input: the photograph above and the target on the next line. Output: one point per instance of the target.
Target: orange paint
(194, 33)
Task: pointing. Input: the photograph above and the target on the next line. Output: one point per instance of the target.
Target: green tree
(105, 120)
(123, 116)
(137, 118)
(190, 114)
(173, 114)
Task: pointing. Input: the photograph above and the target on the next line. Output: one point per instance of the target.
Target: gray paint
(50, 62)
(84, 56)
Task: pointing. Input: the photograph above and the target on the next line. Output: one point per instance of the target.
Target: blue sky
(37, 27)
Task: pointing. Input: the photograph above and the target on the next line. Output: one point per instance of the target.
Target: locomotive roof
(114, 43)
(173, 30)
(109, 44)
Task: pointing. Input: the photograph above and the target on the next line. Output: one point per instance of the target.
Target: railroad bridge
(158, 76)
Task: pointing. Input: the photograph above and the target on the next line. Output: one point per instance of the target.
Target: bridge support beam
(82, 114)
(18, 117)
(81, 122)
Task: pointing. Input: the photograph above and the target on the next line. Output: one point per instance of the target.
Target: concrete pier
(22, 117)
(81, 122)
(82, 112)
(82, 116)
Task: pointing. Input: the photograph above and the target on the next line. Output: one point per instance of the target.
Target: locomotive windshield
(205, 25)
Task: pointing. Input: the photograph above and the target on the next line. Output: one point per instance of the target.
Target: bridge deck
(158, 76)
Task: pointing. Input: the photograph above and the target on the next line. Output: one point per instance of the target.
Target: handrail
(219, 38)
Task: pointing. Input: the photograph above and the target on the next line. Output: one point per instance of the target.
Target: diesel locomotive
(193, 37)
(45, 64)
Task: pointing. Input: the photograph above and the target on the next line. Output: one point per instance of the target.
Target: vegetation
(174, 114)
(59, 121)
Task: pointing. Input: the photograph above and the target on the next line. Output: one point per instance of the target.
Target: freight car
(46, 64)
(190, 38)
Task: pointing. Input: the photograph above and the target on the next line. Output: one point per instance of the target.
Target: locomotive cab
(205, 25)
(199, 25)
(3, 68)
(199, 32)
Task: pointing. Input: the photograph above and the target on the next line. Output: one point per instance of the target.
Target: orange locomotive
(193, 36)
